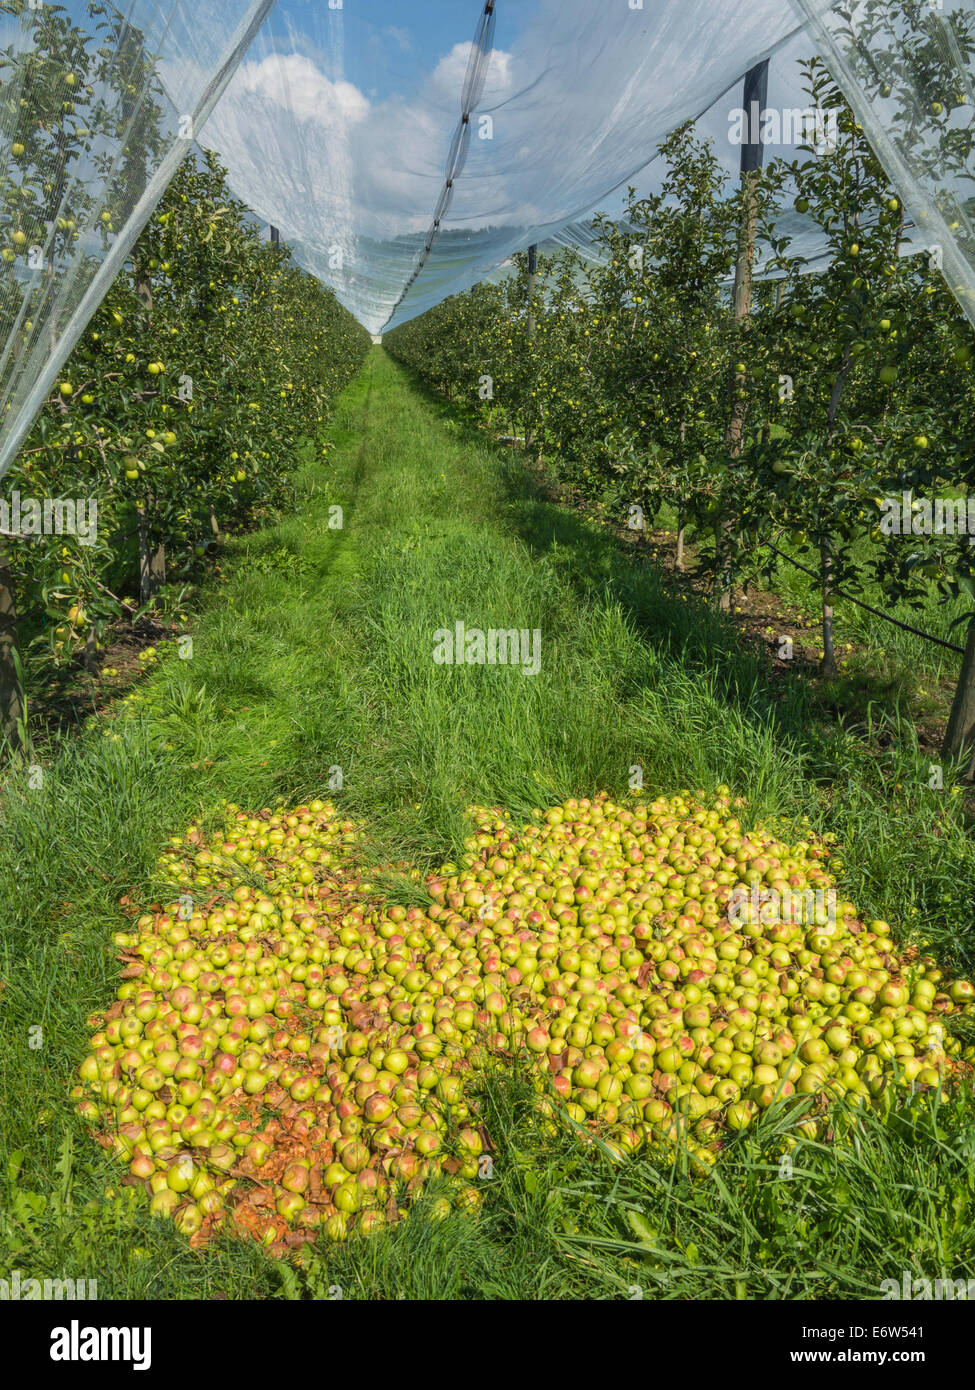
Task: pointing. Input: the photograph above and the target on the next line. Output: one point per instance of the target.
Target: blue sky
(390, 45)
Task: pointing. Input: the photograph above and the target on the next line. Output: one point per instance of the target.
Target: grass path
(316, 655)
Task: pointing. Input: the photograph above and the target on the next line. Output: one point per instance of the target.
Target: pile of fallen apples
(290, 1052)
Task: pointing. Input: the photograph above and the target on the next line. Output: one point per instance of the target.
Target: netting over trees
(99, 108)
(403, 159)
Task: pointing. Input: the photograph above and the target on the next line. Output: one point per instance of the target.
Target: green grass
(317, 655)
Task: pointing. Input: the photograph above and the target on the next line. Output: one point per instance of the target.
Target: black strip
(459, 143)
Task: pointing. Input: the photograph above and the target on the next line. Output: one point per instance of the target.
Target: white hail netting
(404, 160)
(100, 104)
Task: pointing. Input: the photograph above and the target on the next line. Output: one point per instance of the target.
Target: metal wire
(906, 627)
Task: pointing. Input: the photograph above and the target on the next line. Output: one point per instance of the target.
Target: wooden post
(680, 507)
(152, 567)
(752, 158)
(11, 687)
(90, 654)
(960, 735)
(826, 554)
(779, 299)
(152, 562)
(532, 277)
(826, 567)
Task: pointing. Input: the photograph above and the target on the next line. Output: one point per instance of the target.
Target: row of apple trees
(780, 412)
(209, 362)
(178, 416)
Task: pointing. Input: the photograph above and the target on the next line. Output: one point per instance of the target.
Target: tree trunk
(12, 702)
(959, 741)
(214, 523)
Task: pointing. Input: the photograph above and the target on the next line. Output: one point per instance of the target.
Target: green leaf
(966, 582)
(641, 1228)
(289, 1280)
(63, 1166)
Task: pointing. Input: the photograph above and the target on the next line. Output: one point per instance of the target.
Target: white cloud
(448, 77)
(499, 76)
(401, 37)
(293, 83)
(375, 173)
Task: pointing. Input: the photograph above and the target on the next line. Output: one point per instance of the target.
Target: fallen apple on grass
(311, 1072)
